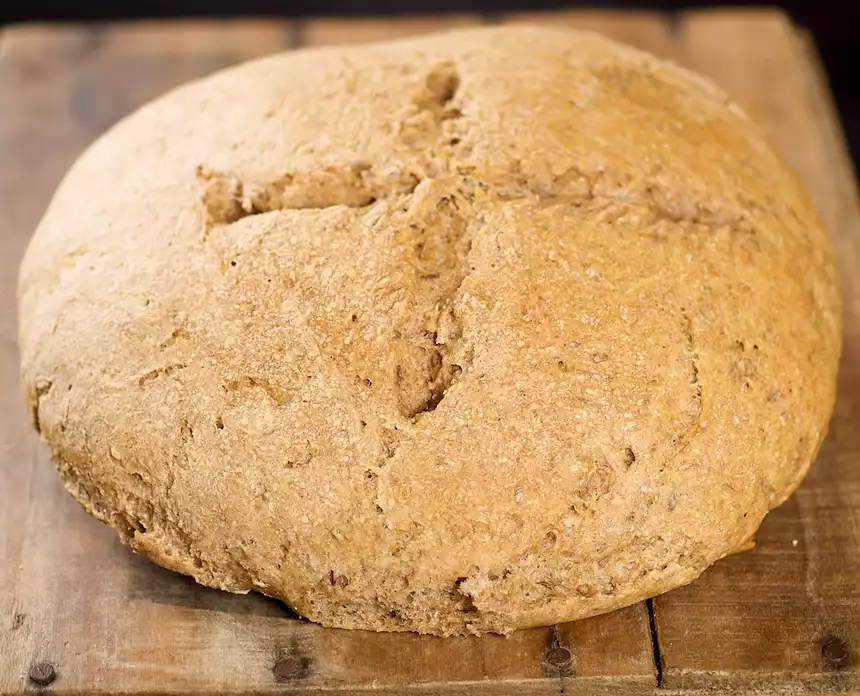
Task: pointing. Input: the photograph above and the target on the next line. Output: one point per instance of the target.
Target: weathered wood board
(784, 617)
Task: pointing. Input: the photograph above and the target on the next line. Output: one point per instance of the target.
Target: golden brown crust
(465, 333)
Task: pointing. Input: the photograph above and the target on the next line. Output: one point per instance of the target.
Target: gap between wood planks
(655, 643)
(294, 34)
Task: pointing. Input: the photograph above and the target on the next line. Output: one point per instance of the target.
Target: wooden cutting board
(80, 614)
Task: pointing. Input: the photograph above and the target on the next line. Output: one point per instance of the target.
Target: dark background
(835, 24)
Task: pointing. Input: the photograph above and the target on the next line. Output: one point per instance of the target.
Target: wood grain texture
(111, 622)
(331, 31)
(767, 617)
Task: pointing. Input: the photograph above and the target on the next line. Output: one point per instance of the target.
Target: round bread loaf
(466, 333)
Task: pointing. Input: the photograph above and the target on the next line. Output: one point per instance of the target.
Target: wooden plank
(846, 207)
(608, 647)
(70, 595)
(108, 621)
(648, 31)
(787, 613)
(330, 31)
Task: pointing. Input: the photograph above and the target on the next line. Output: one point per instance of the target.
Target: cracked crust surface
(477, 331)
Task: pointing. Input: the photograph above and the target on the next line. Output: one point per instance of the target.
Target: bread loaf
(459, 334)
